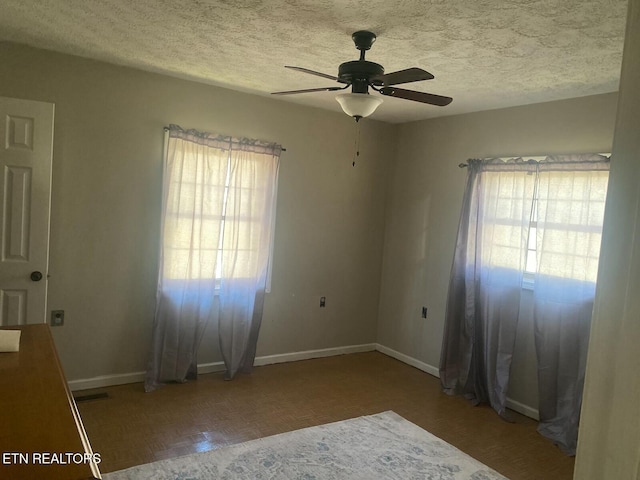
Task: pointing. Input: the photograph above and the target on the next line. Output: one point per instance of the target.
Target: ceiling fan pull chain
(357, 145)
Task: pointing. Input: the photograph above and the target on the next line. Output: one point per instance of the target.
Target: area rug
(382, 446)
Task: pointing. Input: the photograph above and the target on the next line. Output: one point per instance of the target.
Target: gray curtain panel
(562, 328)
(572, 192)
(486, 281)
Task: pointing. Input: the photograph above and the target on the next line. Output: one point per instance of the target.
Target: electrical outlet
(323, 302)
(57, 318)
(424, 312)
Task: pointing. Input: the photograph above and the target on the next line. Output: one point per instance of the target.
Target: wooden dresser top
(39, 421)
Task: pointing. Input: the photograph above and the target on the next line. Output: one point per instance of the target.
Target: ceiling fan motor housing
(359, 73)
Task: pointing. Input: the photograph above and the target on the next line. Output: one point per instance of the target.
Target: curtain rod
(465, 165)
(166, 129)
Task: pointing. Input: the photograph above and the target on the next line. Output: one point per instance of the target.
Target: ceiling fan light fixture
(358, 105)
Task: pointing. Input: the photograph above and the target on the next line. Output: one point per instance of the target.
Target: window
(194, 222)
(219, 209)
(566, 222)
(543, 205)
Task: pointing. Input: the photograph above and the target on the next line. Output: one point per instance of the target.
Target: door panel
(14, 307)
(26, 133)
(17, 194)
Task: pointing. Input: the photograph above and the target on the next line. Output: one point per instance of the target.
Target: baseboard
(212, 367)
(308, 354)
(525, 410)
(425, 367)
(106, 381)
(203, 368)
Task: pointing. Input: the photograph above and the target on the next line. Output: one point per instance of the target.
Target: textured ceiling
(484, 53)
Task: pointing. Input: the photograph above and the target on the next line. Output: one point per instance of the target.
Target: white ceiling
(484, 53)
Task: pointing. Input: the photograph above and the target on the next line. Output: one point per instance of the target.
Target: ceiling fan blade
(402, 76)
(313, 72)
(429, 98)
(309, 90)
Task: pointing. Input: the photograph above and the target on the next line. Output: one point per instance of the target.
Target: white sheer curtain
(570, 210)
(486, 281)
(246, 247)
(218, 214)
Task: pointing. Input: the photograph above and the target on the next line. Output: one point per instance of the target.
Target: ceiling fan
(362, 74)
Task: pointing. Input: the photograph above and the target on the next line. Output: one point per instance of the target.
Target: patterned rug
(382, 446)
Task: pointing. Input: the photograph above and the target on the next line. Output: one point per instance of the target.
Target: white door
(26, 133)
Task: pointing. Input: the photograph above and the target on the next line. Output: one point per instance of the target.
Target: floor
(132, 427)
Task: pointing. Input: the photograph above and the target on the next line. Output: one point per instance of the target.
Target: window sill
(528, 282)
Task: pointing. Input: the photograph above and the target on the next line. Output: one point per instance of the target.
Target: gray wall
(106, 207)
(610, 425)
(423, 209)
